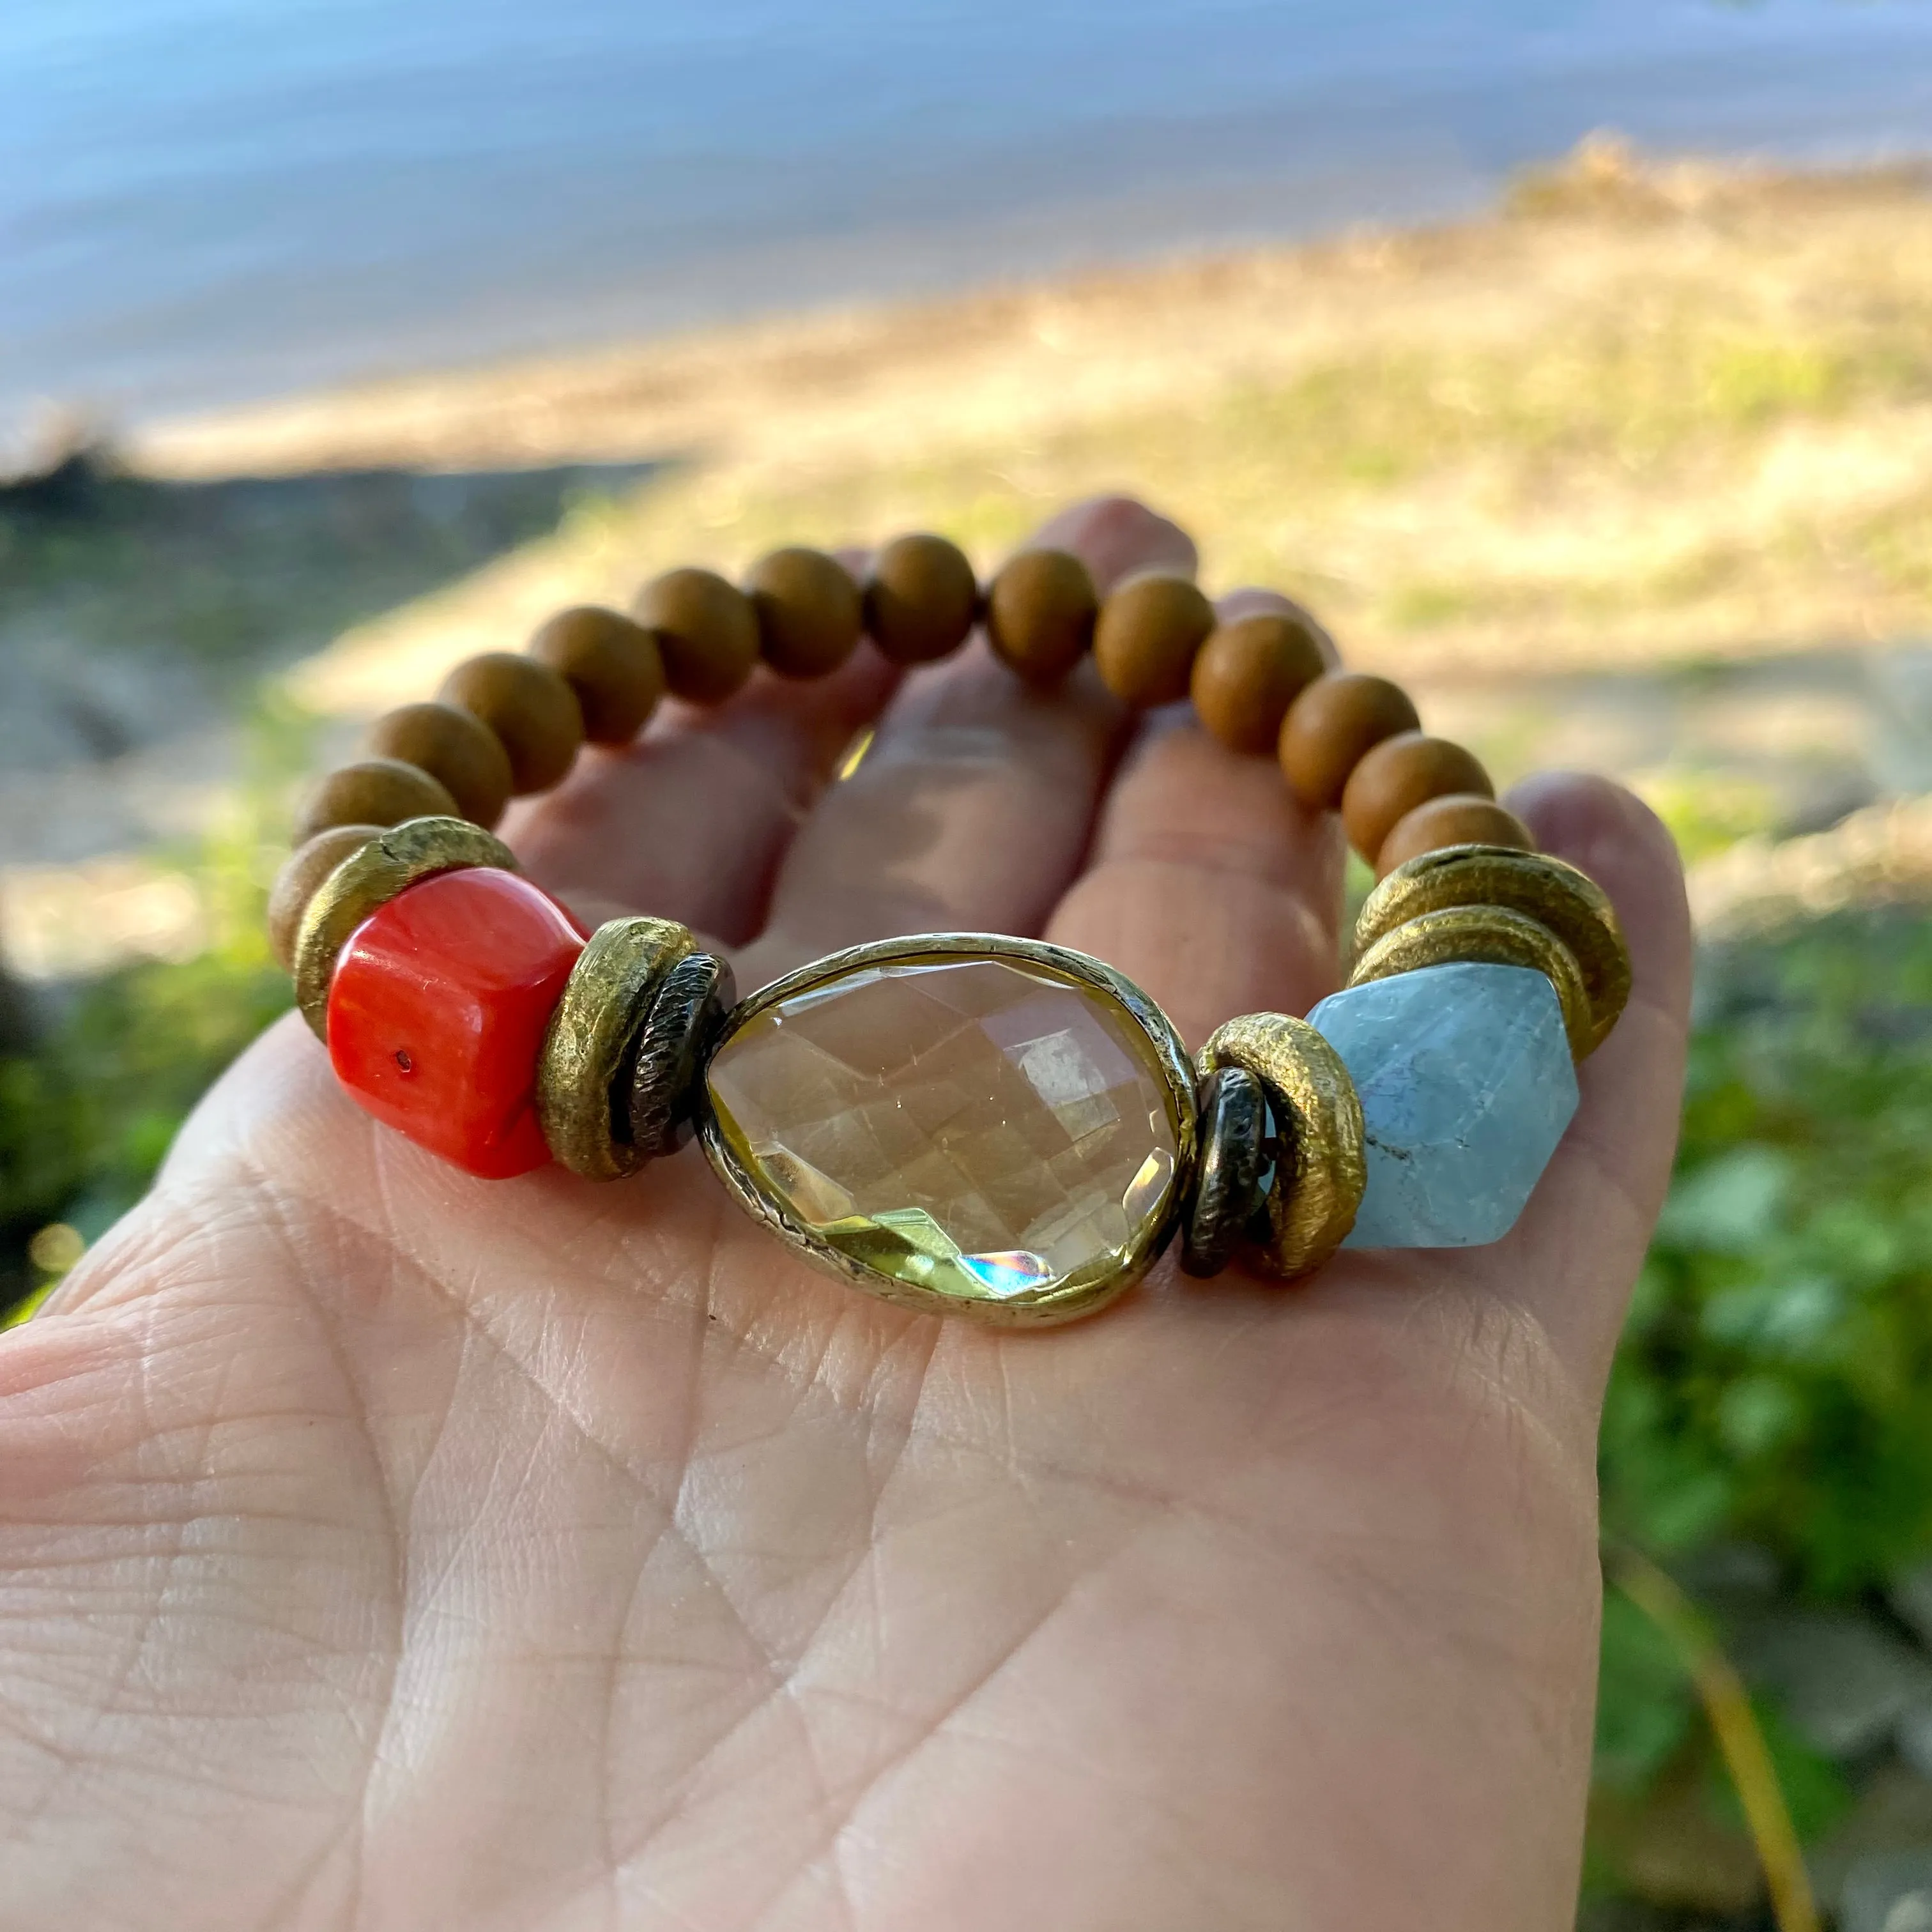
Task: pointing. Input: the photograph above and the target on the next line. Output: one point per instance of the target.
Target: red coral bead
(437, 1013)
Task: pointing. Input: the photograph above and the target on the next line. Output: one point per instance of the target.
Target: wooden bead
(1339, 716)
(372, 791)
(529, 707)
(1147, 634)
(457, 749)
(302, 871)
(921, 599)
(611, 664)
(1457, 818)
(706, 631)
(1250, 671)
(1040, 613)
(1400, 773)
(808, 611)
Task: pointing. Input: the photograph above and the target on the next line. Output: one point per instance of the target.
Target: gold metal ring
(1321, 1171)
(366, 881)
(605, 1002)
(1487, 935)
(1567, 902)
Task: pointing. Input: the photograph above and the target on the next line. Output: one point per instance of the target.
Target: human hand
(381, 1549)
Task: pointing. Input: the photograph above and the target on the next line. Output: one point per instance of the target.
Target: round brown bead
(611, 664)
(302, 871)
(706, 631)
(921, 599)
(1249, 672)
(1040, 612)
(808, 611)
(1147, 634)
(1340, 716)
(529, 707)
(372, 791)
(1457, 818)
(457, 749)
(1397, 776)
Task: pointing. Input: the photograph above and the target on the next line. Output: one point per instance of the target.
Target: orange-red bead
(438, 1010)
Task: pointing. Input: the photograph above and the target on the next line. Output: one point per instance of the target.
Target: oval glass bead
(963, 1123)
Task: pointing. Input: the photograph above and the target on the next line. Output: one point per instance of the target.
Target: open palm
(381, 1549)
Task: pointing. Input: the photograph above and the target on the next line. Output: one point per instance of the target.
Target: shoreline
(608, 401)
(1633, 472)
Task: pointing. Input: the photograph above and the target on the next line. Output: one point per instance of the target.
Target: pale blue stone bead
(1466, 1085)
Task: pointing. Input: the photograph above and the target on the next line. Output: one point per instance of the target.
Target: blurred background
(1573, 360)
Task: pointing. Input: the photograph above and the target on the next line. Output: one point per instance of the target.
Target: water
(204, 199)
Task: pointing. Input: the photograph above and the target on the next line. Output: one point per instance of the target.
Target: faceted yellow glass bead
(976, 1130)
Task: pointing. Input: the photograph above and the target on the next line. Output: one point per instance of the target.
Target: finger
(690, 821)
(1574, 1257)
(974, 804)
(1208, 884)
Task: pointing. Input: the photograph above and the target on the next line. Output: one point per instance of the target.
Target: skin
(381, 1549)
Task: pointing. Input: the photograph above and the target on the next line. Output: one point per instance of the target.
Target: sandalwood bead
(372, 791)
(457, 749)
(529, 707)
(1147, 634)
(611, 664)
(1040, 613)
(1400, 773)
(1249, 672)
(1339, 716)
(1458, 818)
(706, 631)
(302, 871)
(808, 611)
(921, 599)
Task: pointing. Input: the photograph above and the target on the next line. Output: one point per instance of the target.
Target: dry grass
(1635, 416)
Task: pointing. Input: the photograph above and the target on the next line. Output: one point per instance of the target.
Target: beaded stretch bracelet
(964, 1122)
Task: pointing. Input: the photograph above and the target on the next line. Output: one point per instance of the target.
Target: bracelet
(959, 1122)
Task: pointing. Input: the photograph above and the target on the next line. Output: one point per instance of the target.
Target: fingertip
(1604, 829)
(1252, 600)
(1114, 535)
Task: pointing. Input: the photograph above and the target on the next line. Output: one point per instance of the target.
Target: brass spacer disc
(1486, 935)
(1321, 1172)
(585, 1118)
(1569, 903)
(366, 881)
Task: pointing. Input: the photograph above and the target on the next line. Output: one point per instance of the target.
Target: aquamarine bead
(1466, 1085)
